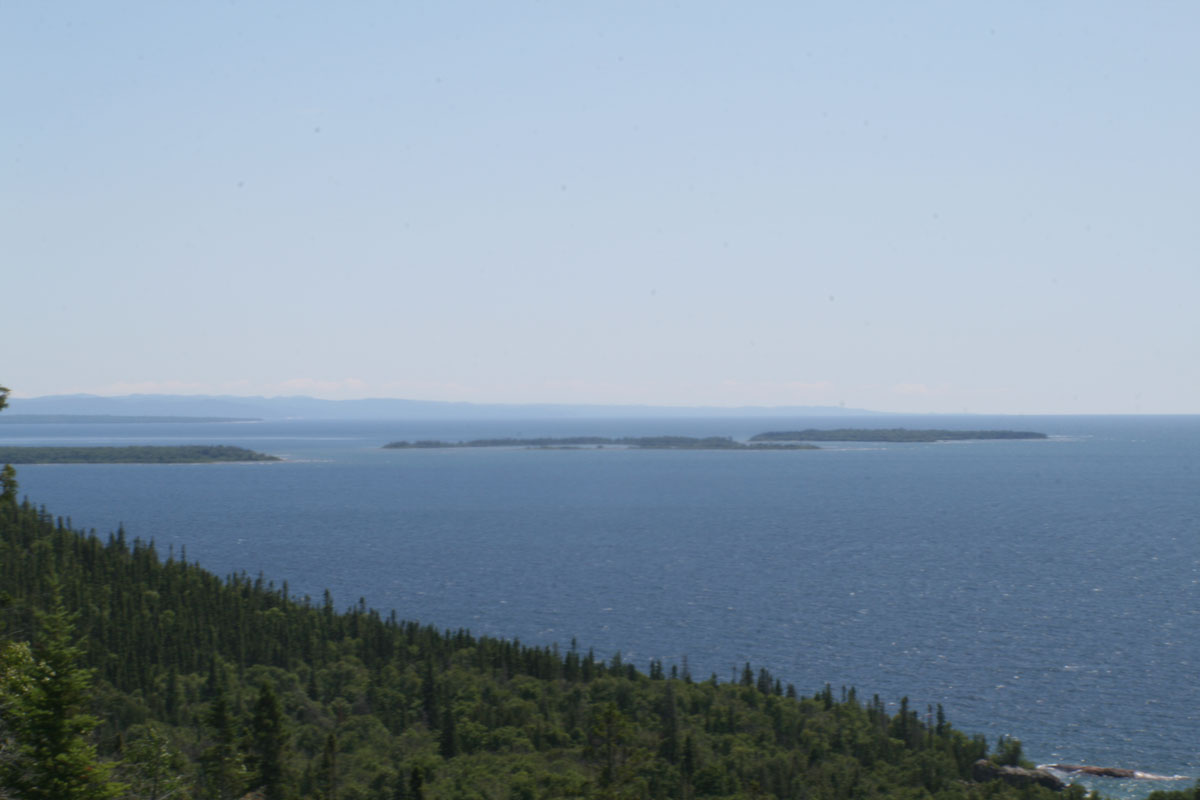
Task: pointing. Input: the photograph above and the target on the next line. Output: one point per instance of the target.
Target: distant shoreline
(891, 435)
(138, 454)
(626, 442)
(772, 440)
(108, 419)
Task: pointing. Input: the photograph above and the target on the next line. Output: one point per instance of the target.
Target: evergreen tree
(224, 772)
(688, 767)
(46, 693)
(327, 777)
(8, 475)
(152, 767)
(1008, 751)
(669, 749)
(448, 742)
(16, 683)
(267, 741)
(416, 784)
(8, 485)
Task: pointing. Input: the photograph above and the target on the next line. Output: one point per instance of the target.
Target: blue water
(1044, 589)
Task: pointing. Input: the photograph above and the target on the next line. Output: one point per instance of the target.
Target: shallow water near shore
(1048, 590)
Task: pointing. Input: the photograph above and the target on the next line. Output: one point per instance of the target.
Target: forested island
(772, 440)
(629, 442)
(889, 435)
(109, 419)
(136, 454)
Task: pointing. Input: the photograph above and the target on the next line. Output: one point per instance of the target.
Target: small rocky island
(138, 454)
(626, 442)
(890, 435)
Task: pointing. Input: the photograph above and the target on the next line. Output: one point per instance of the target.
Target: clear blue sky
(941, 206)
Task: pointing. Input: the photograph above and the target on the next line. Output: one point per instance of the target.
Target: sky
(919, 207)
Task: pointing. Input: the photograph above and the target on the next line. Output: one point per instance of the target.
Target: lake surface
(1048, 590)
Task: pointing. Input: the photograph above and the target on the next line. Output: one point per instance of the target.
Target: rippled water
(1044, 589)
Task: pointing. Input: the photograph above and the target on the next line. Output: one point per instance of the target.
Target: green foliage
(151, 766)
(267, 741)
(8, 485)
(8, 475)
(1178, 794)
(48, 752)
(222, 766)
(16, 685)
(1008, 752)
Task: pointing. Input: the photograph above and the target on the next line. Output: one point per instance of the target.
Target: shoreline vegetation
(627, 442)
(143, 454)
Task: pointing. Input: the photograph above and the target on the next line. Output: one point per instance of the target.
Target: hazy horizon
(849, 410)
(938, 208)
(211, 405)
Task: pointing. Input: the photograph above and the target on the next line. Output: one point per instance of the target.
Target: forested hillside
(210, 688)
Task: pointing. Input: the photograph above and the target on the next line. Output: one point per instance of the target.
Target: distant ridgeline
(148, 454)
(633, 442)
(889, 435)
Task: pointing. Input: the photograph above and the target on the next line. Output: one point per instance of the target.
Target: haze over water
(1044, 589)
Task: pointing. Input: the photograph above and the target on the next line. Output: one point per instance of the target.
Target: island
(889, 435)
(626, 442)
(110, 419)
(137, 454)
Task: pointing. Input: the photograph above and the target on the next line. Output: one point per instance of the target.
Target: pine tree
(152, 767)
(267, 741)
(326, 772)
(669, 749)
(16, 683)
(46, 694)
(416, 784)
(224, 772)
(8, 475)
(688, 767)
(448, 741)
(8, 485)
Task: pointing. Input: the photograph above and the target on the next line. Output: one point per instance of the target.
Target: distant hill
(151, 405)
